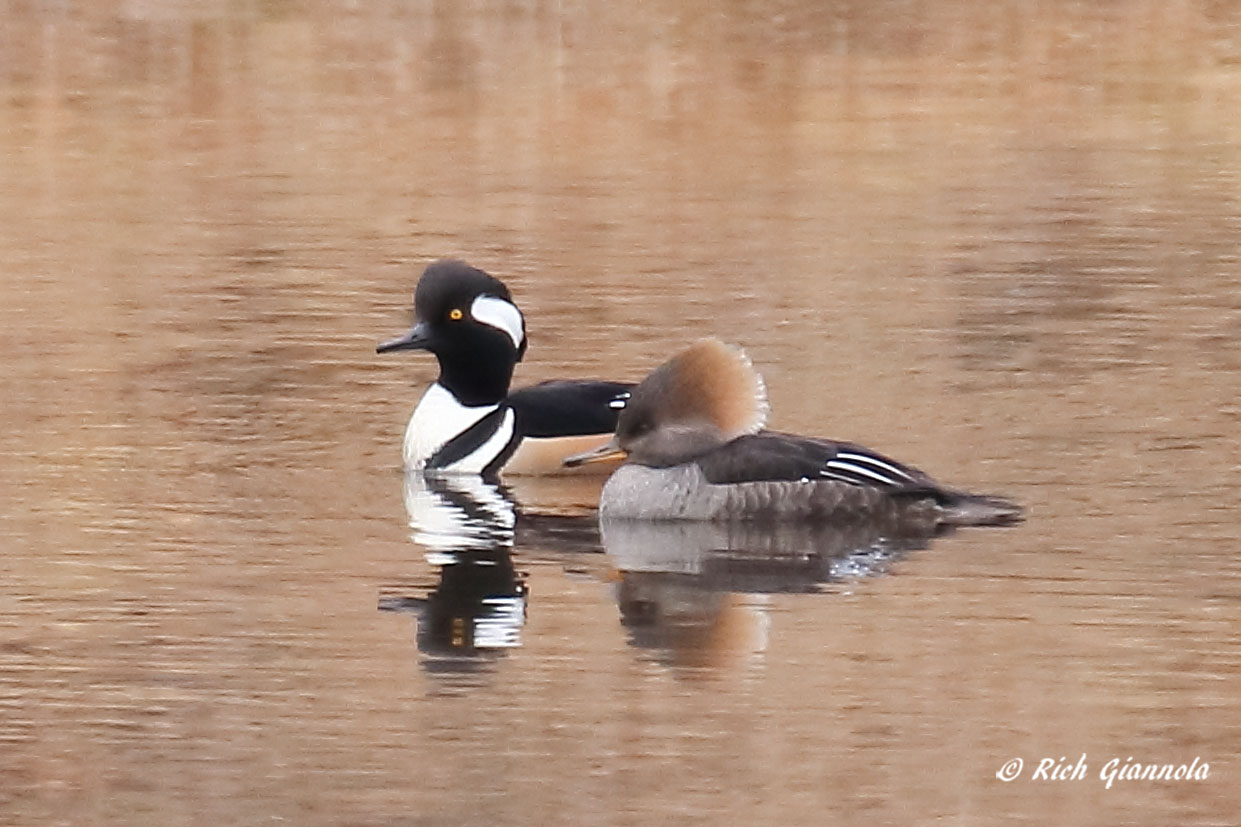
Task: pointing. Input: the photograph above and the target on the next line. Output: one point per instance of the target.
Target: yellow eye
(455, 314)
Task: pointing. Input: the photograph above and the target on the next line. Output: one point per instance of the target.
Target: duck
(695, 447)
(468, 421)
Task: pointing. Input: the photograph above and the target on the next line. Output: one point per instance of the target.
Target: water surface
(999, 243)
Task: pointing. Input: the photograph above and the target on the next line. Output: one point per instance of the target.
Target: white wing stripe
(850, 468)
(874, 462)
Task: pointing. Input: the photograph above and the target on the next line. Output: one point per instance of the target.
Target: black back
(569, 407)
(772, 456)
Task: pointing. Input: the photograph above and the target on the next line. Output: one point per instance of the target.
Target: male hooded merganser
(693, 434)
(467, 421)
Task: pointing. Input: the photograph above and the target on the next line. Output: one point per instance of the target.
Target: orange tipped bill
(609, 450)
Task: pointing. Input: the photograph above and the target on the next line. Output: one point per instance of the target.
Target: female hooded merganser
(693, 434)
(467, 421)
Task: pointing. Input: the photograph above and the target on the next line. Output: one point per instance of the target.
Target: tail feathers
(957, 508)
(980, 510)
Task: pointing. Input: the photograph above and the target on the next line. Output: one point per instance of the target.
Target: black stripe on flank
(492, 469)
(471, 439)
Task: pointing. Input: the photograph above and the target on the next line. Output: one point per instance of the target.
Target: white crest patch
(501, 315)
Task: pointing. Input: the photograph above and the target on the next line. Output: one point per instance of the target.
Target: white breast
(438, 418)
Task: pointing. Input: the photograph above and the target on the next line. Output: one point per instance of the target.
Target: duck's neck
(474, 383)
(438, 418)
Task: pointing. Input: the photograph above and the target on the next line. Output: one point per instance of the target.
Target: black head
(468, 320)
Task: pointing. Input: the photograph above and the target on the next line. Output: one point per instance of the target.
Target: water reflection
(476, 608)
(998, 239)
(455, 513)
(693, 591)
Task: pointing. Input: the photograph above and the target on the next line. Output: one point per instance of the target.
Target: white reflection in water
(458, 512)
(477, 604)
(996, 239)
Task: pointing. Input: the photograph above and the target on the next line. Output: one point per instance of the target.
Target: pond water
(1000, 242)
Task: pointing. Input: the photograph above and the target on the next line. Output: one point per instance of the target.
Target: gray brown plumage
(692, 432)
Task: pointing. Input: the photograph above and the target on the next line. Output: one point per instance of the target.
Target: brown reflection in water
(997, 241)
